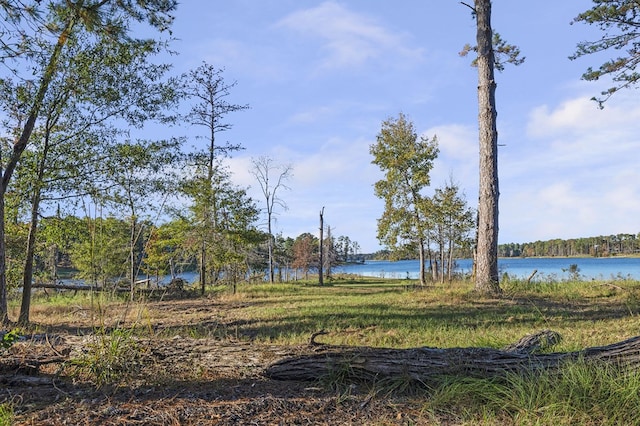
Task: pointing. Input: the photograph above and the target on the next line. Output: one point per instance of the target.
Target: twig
(312, 340)
(473, 9)
(46, 336)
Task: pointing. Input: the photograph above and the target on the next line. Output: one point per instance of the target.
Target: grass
(6, 414)
(373, 312)
(376, 314)
(393, 313)
(579, 393)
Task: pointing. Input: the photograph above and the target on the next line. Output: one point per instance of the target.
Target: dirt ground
(178, 380)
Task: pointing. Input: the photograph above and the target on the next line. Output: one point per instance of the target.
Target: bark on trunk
(270, 248)
(203, 268)
(25, 305)
(423, 364)
(321, 259)
(423, 274)
(487, 243)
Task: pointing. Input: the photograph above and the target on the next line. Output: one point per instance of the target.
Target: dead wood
(534, 343)
(77, 287)
(312, 339)
(423, 364)
(26, 380)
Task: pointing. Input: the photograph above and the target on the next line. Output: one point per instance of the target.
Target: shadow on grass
(292, 323)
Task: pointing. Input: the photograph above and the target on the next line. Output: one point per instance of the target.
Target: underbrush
(109, 358)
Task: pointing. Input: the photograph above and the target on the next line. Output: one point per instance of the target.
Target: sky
(320, 77)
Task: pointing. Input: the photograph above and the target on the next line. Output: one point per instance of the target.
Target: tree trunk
(423, 364)
(321, 260)
(4, 307)
(132, 253)
(423, 274)
(25, 305)
(270, 248)
(18, 148)
(203, 267)
(487, 238)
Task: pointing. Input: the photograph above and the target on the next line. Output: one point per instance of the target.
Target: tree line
(600, 246)
(97, 250)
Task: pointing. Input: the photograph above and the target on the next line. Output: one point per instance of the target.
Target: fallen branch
(24, 380)
(28, 366)
(312, 339)
(534, 343)
(617, 287)
(422, 364)
(76, 287)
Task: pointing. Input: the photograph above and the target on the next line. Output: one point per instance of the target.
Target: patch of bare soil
(181, 381)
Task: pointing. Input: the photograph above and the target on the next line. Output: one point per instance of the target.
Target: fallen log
(425, 363)
(77, 287)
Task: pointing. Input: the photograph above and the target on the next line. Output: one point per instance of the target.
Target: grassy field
(395, 313)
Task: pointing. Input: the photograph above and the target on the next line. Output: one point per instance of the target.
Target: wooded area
(602, 245)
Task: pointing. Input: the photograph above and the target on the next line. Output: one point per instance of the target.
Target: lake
(598, 268)
(549, 268)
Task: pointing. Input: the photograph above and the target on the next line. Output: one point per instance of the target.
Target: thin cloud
(349, 39)
(584, 161)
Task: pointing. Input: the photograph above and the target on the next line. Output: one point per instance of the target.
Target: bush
(110, 358)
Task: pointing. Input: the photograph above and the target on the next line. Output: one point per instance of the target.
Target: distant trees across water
(603, 245)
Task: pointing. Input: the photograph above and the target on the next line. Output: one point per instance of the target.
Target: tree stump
(425, 363)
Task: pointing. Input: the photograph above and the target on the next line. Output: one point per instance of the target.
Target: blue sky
(321, 76)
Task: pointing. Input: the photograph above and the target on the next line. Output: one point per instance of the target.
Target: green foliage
(102, 252)
(407, 163)
(38, 42)
(451, 225)
(8, 339)
(16, 240)
(165, 248)
(222, 226)
(504, 53)
(619, 21)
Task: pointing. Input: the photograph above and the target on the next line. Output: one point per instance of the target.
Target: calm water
(548, 268)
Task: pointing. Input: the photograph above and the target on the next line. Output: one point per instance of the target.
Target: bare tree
(271, 178)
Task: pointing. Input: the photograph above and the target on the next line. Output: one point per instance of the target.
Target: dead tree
(423, 364)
